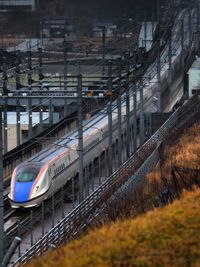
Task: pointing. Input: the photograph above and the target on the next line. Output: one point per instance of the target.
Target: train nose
(22, 191)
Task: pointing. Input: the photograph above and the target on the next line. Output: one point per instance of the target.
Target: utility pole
(1, 192)
(119, 109)
(80, 138)
(158, 80)
(110, 151)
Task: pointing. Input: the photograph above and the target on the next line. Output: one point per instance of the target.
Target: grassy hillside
(168, 236)
(163, 237)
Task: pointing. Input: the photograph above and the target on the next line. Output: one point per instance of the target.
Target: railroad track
(22, 221)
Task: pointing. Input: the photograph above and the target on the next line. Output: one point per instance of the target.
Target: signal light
(109, 93)
(89, 94)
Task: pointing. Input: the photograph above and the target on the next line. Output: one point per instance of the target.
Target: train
(45, 173)
(36, 179)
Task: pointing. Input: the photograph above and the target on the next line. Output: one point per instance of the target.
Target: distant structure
(8, 5)
(24, 126)
(194, 78)
(146, 35)
(55, 27)
(110, 29)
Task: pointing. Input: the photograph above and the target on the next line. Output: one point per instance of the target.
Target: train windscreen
(27, 173)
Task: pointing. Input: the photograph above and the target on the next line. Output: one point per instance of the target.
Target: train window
(27, 173)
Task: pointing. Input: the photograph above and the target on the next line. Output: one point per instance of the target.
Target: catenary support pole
(18, 122)
(31, 219)
(190, 27)
(5, 124)
(80, 138)
(127, 108)
(145, 31)
(135, 116)
(5, 76)
(43, 218)
(5, 104)
(182, 43)
(198, 28)
(51, 112)
(110, 161)
(1, 192)
(109, 110)
(19, 233)
(141, 113)
(170, 56)
(158, 79)
(30, 132)
(65, 77)
(40, 72)
(17, 74)
(10, 251)
(40, 69)
(40, 115)
(119, 109)
(29, 67)
(103, 48)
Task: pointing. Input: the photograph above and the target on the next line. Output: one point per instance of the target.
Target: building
(194, 77)
(29, 5)
(57, 27)
(24, 126)
(110, 29)
(146, 35)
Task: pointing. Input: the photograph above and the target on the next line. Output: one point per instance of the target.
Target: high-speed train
(46, 172)
(49, 170)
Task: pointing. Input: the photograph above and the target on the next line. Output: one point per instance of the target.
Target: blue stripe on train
(22, 191)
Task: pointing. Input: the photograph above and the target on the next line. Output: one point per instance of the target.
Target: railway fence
(135, 167)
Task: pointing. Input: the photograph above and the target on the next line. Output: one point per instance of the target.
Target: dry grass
(163, 237)
(184, 154)
(187, 151)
